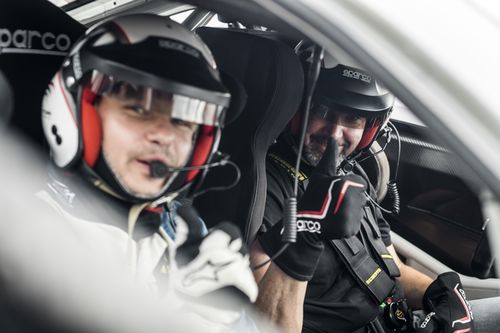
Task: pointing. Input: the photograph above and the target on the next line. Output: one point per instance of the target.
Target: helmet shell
(144, 49)
(352, 90)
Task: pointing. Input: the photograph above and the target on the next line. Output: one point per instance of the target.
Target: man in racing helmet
(133, 119)
(349, 98)
(324, 282)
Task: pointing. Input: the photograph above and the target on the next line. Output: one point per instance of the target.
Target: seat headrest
(272, 76)
(35, 35)
(238, 97)
(268, 70)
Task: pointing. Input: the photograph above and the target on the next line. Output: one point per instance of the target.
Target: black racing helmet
(347, 89)
(355, 91)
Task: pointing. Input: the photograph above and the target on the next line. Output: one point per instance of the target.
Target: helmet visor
(149, 101)
(345, 119)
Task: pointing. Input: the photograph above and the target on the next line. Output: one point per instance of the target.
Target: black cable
(290, 217)
(392, 187)
(382, 149)
(399, 149)
(276, 255)
(394, 194)
(373, 201)
(226, 187)
(312, 76)
(290, 210)
(224, 160)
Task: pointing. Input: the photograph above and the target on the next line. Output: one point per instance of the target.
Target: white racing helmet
(148, 51)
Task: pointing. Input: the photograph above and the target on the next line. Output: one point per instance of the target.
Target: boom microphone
(158, 169)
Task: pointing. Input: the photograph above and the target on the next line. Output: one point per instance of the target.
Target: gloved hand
(213, 272)
(425, 322)
(447, 306)
(331, 208)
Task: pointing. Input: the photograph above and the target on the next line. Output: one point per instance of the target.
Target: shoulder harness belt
(377, 281)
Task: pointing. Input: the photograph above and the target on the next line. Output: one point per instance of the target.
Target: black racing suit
(334, 301)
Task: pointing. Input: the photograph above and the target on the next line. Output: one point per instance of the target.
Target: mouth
(321, 141)
(145, 164)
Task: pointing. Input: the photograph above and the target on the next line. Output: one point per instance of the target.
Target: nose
(160, 131)
(336, 130)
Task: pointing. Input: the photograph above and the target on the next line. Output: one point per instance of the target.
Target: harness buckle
(398, 315)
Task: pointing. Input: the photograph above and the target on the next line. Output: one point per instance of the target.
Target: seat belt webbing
(367, 272)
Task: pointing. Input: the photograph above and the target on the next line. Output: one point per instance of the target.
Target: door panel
(440, 211)
(423, 262)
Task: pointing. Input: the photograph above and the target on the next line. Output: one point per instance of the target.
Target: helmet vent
(56, 135)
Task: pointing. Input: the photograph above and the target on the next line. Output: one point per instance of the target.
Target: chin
(144, 189)
(146, 195)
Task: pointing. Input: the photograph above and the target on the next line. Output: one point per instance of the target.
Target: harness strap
(290, 169)
(377, 281)
(375, 241)
(366, 271)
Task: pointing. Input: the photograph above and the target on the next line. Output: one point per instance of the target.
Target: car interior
(440, 225)
(29, 65)
(272, 77)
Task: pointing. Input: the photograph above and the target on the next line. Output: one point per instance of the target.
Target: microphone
(158, 169)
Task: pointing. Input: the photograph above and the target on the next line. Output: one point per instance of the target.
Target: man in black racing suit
(356, 284)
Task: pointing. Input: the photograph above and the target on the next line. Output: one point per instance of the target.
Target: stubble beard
(313, 152)
(121, 178)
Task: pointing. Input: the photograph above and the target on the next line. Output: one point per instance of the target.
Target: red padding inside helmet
(368, 136)
(91, 128)
(202, 150)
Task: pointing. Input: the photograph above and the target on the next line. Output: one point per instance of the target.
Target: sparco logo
(310, 226)
(33, 41)
(356, 75)
(462, 292)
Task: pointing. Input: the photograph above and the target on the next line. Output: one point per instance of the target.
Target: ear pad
(91, 128)
(202, 149)
(367, 138)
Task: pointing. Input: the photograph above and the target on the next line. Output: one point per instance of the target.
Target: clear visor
(152, 100)
(345, 119)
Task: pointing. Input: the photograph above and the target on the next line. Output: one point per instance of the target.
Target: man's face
(138, 130)
(324, 123)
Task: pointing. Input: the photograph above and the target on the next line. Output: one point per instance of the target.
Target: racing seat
(5, 100)
(35, 35)
(273, 79)
(378, 170)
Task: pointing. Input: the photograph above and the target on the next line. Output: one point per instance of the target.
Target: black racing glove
(425, 322)
(446, 305)
(213, 271)
(331, 208)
